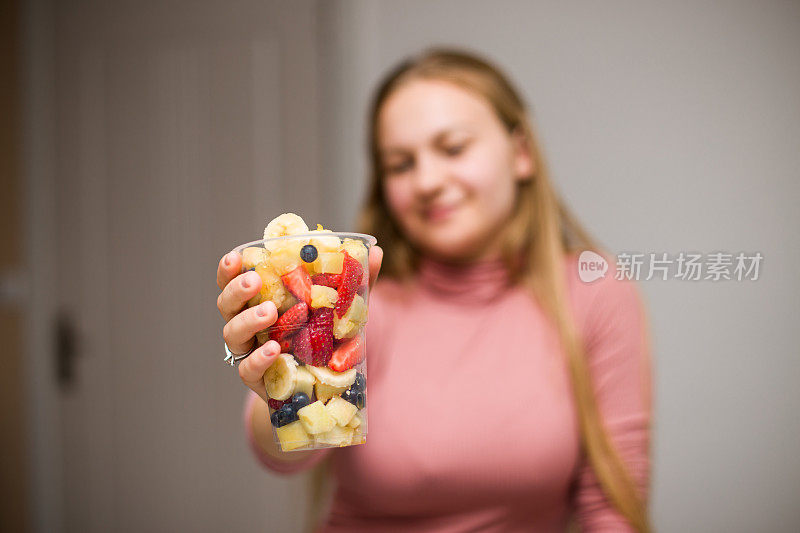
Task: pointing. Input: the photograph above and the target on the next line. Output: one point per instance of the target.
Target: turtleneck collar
(471, 283)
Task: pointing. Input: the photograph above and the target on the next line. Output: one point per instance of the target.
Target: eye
(399, 168)
(454, 149)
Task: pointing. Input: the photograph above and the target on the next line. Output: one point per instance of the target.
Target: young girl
(504, 393)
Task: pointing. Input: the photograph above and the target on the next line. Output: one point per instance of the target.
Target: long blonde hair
(541, 228)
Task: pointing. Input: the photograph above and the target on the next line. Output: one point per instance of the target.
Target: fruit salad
(318, 280)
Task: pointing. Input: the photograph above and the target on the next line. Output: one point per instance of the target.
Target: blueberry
(284, 415)
(349, 395)
(360, 383)
(299, 401)
(308, 253)
(356, 397)
(361, 399)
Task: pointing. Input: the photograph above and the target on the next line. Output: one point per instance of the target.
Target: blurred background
(142, 140)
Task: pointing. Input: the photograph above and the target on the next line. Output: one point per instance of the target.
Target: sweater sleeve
(615, 332)
(269, 462)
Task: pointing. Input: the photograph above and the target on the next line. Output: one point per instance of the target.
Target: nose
(430, 175)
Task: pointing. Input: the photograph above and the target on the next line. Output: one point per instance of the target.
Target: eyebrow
(437, 138)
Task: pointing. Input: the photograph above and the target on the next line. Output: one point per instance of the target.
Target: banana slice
(281, 377)
(285, 224)
(305, 382)
(326, 392)
(330, 377)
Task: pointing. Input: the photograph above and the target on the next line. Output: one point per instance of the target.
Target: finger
(251, 369)
(375, 260)
(236, 294)
(240, 330)
(229, 267)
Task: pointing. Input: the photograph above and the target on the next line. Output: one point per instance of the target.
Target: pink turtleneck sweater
(472, 421)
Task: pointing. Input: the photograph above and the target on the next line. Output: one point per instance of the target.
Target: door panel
(180, 130)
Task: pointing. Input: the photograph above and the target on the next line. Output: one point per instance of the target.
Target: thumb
(375, 260)
(252, 369)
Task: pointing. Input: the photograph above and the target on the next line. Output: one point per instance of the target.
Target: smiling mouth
(439, 213)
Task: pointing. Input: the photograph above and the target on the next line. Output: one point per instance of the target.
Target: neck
(474, 282)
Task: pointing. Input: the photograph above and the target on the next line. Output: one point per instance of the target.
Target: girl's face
(450, 169)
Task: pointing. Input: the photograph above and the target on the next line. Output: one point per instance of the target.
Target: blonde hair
(541, 228)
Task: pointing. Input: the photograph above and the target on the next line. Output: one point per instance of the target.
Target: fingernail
(262, 308)
(246, 282)
(227, 260)
(252, 279)
(272, 347)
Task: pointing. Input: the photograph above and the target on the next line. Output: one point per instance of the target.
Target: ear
(523, 163)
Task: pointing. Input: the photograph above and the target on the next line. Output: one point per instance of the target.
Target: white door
(180, 127)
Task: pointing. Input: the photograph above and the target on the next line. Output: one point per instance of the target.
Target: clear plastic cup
(319, 281)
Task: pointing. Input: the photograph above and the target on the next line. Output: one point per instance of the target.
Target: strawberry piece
(352, 273)
(277, 404)
(289, 322)
(328, 280)
(347, 355)
(299, 283)
(320, 331)
(286, 343)
(302, 346)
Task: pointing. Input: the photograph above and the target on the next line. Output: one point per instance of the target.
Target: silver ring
(232, 358)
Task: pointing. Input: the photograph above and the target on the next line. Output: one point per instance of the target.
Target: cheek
(488, 176)
(398, 197)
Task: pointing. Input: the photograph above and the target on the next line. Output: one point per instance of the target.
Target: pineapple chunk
(252, 256)
(355, 421)
(329, 263)
(286, 257)
(271, 287)
(315, 418)
(343, 328)
(357, 311)
(327, 242)
(292, 436)
(353, 319)
(356, 250)
(268, 275)
(322, 296)
(262, 336)
(341, 410)
(305, 382)
(326, 392)
(336, 436)
(288, 301)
